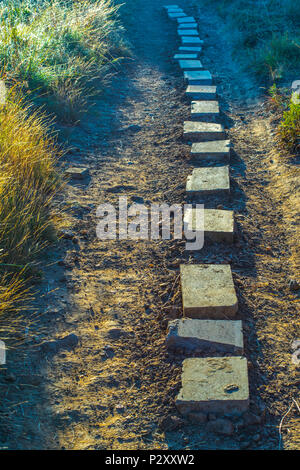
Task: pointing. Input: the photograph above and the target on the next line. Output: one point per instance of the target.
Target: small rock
(221, 426)
(77, 173)
(294, 285)
(67, 343)
(170, 423)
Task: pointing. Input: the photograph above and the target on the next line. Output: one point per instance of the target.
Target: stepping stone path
(207, 110)
(216, 150)
(205, 131)
(214, 385)
(210, 305)
(208, 291)
(211, 180)
(218, 224)
(201, 92)
(224, 336)
(202, 77)
(77, 173)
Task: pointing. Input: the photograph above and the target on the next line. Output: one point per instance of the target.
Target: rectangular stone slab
(218, 224)
(190, 64)
(190, 49)
(208, 291)
(191, 41)
(198, 77)
(185, 56)
(205, 92)
(187, 32)
(187, 26)
(187, 19)
(225, 336)
(216, 150)
(174, 16)
(202, 131)
(211, 180)
(167, 7)
(214, 385)
(205, 110)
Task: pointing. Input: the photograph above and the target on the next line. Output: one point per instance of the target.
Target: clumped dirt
(116, 388)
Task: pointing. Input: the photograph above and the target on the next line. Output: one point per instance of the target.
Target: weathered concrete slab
(77, 173)
(205, 110)
(202, 131)
(216, 150)
(211, 180)
(208, 291)
(167, 7)
(187, 19)
(190, 49)
(198, 77)
(202, 92)
(191, 41)
(225, 336)
(187, 26)
(218, 224)
(174, 16)
(190, 64)
(214, 385)
(185, 56)
(188, 32)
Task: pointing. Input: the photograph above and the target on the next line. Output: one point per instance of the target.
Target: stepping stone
(207, 110)
(198, 77)
(167, 7)
(187, 26)
(77, 173)
(187, 19)
(199, 92)
(185, 56)
(190, 49)
(188, 32)
(214, 385)
(174, 16)
(191, 41)
(218, 224)
(211, 180)
(225, 336)
(190, 64)
(217, 150)
(202, 131)
(208, 291)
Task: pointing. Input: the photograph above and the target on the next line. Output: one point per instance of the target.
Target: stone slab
(187, 26)
(208, 291)
(218, 224)
(190, 64)
(225, 336)
(174, 16)
(214, 385)
(185, 56)
(205, 109)
(216, 150)
(211, 180)
(202, 131)
(77, 173)
(187, 32)
(191, 41)
(199, 92)
(198, 77)
(167, 7)
(190, 49)
(187, 19)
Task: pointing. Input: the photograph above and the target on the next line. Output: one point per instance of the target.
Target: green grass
(58, 49)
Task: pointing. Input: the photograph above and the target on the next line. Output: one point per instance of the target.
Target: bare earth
(113, 389)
